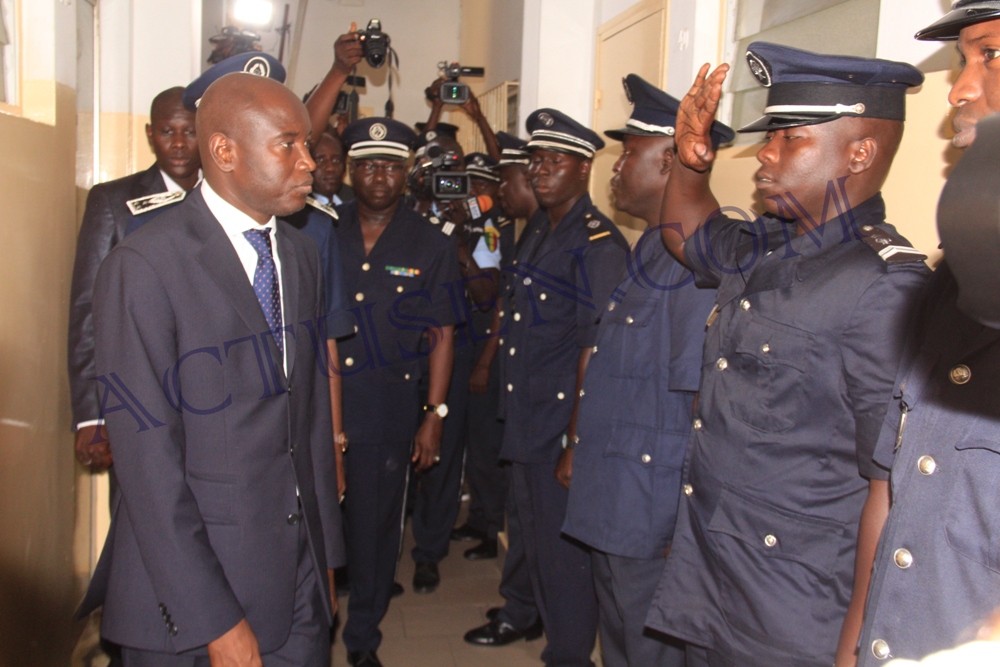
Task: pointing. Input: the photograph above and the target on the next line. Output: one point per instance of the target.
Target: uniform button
(355, 328)
(173, 630)
(582, 393)
(517, 317)
(765, 348)
(745, 304)
(489, 331)
(867, 228)
(366, 266)
(560, 396)
(926, 465)
(527, 281)
(512, 351)
(880, 649)
(646, 458)
(406, 377)
(688, 489)
(697, 424)
(359, 296)
(510, 387)
(722, 364)
(960, 374)
(349, 361)
(611, 307)
(629, 320)
(594, 351)
(501, 341)
(292, 519)
(399, 289)
(770, 541)
(163, 608)
(543, 296)
(903, 558)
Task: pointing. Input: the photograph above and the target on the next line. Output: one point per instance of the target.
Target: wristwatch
(441, 409)
(568, 442)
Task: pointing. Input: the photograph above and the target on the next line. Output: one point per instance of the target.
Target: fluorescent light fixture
(253, 12)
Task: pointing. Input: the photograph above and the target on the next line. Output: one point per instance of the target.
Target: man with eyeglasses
(397, 269)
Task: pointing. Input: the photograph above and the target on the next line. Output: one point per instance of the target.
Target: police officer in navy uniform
(563, 274)
(398, 270)
(936, 573)
(638, 394)
(774, 536)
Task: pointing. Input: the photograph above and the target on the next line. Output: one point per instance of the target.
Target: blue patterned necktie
(265, 282)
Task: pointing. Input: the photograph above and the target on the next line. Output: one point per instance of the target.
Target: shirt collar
(839, 230)
(172, 184)
(322, 199)
(234, 221)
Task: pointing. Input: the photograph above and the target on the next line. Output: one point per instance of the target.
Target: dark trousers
(376, 483)
(308, 644)
(439, 490)
(559, 568)
(487, 477)
(519, 609)
(625, 588)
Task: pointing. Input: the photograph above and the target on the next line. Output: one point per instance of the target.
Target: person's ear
(667, 160)
(863, 155)
(149, 136)
(223, 152)
(585, 166)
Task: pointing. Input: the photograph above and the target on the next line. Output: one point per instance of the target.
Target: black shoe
(426, 578)
(466, 533)
(496, 633)
(486, 550)
(492, 612)
(363, 659)
(397, 589)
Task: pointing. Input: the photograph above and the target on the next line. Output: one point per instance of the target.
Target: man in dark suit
(171, 134)
(227, 522)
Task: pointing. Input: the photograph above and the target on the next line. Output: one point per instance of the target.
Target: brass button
(770, 541)
(527, 281)
(366, 266)
(349, 361)
(488, 331)
(880, 649)
(501, 313)
(399, 288)
(611, 307)
(926, 465)
(510, 387)
(745, 304)
(960, 374)
(359, 296)
(903, 558)
(646, 458)
(696, 424)
(629, 320)
(406, 377)
(582, 393)
(594, 351)
(512, 351)
(543, 296)
(765, 348)
(517, 317)
(501, 341)
(688, 489)
(560, 396)
(722, 364)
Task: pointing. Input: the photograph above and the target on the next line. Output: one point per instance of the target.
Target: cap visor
(619, 135)
(769, 123)
(947, 28)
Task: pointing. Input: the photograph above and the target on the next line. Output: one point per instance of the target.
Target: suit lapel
(150, 183)
(290, 292)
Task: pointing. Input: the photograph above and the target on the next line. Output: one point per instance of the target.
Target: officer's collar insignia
(434, 220)
(546, 120)
(431, 135)
(594, 224)
(628, 91)
(377, 131)
(759, 68)
(403, 271)
(258, 67)
(326, 208)
(153, 202)
(892, 249)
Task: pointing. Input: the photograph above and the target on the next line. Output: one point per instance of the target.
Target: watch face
(442, 411)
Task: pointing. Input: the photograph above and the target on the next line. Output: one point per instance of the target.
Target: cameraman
(347, 53)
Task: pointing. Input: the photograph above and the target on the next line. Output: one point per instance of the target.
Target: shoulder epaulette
(503, 221)
(596, 227)
(326, 208)
(892, 249)
(153, 202)
(446, 229)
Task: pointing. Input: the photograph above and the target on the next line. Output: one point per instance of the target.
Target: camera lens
(376, 58)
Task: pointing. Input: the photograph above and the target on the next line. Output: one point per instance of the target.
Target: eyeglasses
(389, 168)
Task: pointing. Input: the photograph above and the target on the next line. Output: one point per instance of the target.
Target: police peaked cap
(654, 114)
(252, 62)
(378, 139)
(480, 165)
(513, 150)
(806, 88)
(424, 137)
(553, 130)
(963, 13)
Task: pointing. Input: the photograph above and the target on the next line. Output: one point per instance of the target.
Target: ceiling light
(253, 12)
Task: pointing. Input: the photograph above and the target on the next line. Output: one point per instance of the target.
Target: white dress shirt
(172, 184)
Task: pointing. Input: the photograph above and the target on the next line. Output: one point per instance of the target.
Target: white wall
(899, 20)
(612, 8)
(423, 32)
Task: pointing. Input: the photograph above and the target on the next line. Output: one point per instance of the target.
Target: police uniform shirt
(937, 572)
(409, 282)
(635, 412)
(800, 355)
(560, 280)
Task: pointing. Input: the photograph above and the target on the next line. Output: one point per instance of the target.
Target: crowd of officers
(744, 441)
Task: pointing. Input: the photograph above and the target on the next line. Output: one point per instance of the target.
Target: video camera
(375, 44)
(453, 91)
(438, 178)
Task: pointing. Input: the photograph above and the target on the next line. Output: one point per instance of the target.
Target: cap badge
(377, 131)
(759, 68)
(258, 67)
(628, 91)
(479, 162)
(431, 135)
(546, 120)
(594, 224)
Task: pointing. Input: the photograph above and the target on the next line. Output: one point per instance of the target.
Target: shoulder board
(503, 221)
(447, 228)
(596, 228)
(153, 202)
(892, 249)
(326, 208)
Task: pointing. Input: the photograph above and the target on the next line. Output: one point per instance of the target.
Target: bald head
(253, 134)
(171, 135)
(167, 102)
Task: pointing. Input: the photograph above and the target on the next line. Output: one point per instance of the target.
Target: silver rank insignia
(759, 68)
(594, 224)
(326, 208)
(546, 120)
(377, 131)
(153, 202)
(258, 67)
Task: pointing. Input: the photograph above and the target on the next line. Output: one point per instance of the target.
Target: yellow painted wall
(915, 182)
(38, 197)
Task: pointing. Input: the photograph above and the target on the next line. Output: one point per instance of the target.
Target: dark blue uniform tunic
(800, 358)
(937, 572)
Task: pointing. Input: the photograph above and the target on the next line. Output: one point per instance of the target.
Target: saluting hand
(695, 116)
